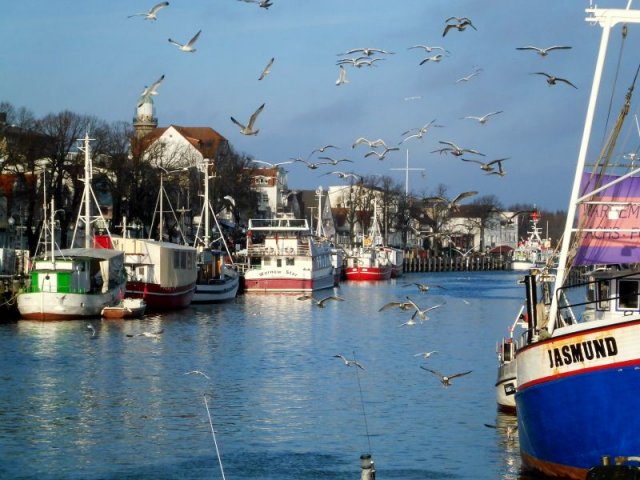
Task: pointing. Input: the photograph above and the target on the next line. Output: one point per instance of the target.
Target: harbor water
(116, 402)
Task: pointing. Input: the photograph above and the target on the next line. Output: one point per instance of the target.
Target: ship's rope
(615, 81)
(364, 413)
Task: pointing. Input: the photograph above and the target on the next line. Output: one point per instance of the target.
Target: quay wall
(455, 264)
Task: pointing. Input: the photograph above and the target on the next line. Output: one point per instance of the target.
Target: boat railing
(276, 224)
(262, 251)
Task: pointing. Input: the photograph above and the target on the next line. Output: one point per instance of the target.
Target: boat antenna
(213, 434)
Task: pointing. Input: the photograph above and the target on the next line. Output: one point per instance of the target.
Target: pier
(456, 264)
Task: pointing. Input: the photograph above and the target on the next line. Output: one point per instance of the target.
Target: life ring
(367, 242)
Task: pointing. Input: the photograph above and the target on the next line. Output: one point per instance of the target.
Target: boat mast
(207, 205)
(607, 19)
(319, 227)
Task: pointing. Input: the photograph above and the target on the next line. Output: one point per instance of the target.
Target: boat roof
(98, 253)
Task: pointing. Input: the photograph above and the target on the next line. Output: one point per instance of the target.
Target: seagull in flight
(411, 322)
(483, 119)
(488, 166)
(396, 304)
(453, 204)
(150, 91)
(365, 51)
(349, 363)
(422, 312)
(543, 52)
(151, 14)
(428, 48)
(187, 47)
(267, 69)
(382, 154)
(320, 303)
(248, 129)
(323, 148)
(271, 165)
(470, 76)
(310, 165)
(432, 58)
(456, 150)
(372, 143)
(460, 24)
(446, 379)
(420, 132)
(552, 80)
(92, 329)
(422, 287)
(500, 171)
(342, 76)
(425, 355)
(344, 175)
(334, 162)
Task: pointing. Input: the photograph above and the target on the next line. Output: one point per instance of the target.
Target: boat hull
(215, 291)
(64, 306)
(522, 266)
(255, 281)
(506, 387)
(597, 371)
(161, 298)
(368, 273)
(128, 308)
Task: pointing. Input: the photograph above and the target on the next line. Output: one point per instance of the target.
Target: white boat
(534, 251)
(283, 256)
(76, 282)
(578, 387)
(217, 280)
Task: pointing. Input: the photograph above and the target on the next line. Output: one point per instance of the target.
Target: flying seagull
(453, 204)
(382, 154)
(422, 312)
(267, 69)
(248, 129)
(483, 119)
(271, 165)
(445, 379)
(343, 175)
(543, 52)
(428, 48)
(197, 372)
(411, 322)
(334, 162)
(349, 363)
(470, 76)
(320, 303)
(372, 143)
(500, 171)
(455, 149)
(187, 47)
(488, 166)
(151, 14)
(365, 51)
(150, 91)
(432, 58)
(551, 80)
(425, 355)
(342, 77)
(322, 149)
(460, 24)
(422, 287)
(396, 304)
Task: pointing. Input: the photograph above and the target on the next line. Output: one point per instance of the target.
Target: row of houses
(337, 211)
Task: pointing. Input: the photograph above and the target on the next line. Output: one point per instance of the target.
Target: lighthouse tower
(145, 120)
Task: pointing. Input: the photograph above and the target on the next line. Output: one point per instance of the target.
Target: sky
(90, 58)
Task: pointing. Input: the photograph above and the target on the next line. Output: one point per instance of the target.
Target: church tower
(145, 120)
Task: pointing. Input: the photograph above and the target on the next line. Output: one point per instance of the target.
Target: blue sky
(88, 57)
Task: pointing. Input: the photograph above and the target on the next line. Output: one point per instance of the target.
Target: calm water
(120, 406)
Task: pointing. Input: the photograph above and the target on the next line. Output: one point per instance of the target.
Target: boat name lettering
(581, 351)
(290, 273)
(606, 211)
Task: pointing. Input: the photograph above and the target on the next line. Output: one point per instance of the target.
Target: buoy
(367, 466)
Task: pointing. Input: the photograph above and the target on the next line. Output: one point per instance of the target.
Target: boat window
(290, 262)
(603, 295)
(279, 262)
(628, 294)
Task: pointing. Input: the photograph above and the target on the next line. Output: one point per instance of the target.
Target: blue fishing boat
(578, 366)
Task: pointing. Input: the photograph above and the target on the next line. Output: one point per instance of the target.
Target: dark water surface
(121, 406)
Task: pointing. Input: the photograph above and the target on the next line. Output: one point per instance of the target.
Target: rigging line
(213, 433)
(615, 80)
(364, 414)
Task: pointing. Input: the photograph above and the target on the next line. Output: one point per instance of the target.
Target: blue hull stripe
(575, 420)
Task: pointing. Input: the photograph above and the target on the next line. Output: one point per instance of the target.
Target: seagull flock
(371, 58)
